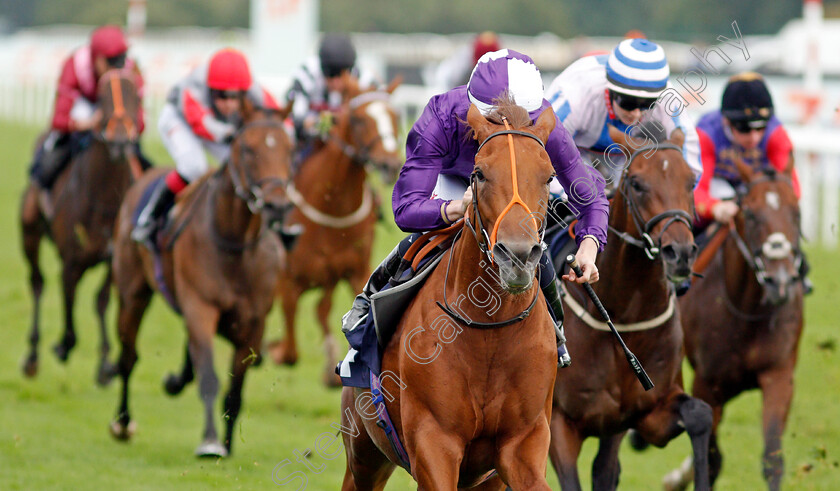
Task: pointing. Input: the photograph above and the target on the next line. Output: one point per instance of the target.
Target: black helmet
(746, 98)
(337, 54)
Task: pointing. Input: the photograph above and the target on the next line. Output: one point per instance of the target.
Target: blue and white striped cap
(637, 67)
(509, 70)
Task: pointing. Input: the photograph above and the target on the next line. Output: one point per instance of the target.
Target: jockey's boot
(804, 268)
(551, 291)
(148, 222)
(378, 279)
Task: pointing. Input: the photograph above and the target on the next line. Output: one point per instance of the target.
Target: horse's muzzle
(517, 263)
(678, 258)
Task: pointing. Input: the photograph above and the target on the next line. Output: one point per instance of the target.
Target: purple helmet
(509, 70)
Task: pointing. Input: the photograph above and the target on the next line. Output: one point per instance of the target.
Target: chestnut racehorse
(476, 398)
(218, 265)
(651, 245)
(85, 199)
(743, 321)
(335, 205)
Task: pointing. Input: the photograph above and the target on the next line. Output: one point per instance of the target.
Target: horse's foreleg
(71, 273)
(242, 359)
(284, 351)
(106, 368)
(202, 319)
(174, 384)
(521, 459)
(367, 469)
(437, 456)
(131, 309)
(606, 468)
(330, 345)
(673, 415)
(777, 392)
(700, 389)
(32, 231)
(564, 450)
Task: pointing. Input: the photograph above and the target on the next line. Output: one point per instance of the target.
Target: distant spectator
(455, 70)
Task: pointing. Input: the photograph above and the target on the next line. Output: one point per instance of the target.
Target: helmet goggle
(116, 61)
(631, 103)
(225, 94)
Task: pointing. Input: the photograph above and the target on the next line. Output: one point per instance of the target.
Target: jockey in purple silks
(433, 187)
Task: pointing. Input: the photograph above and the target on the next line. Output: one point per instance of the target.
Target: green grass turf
(53, 429)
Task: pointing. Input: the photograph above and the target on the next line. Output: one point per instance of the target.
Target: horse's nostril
(669, 253)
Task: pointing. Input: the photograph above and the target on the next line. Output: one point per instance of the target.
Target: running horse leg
(677, 412)
(566, 442)
(606, 468)
(330, 345)
(133, 301)
(174, 384)
(521, 458)
(243, 357)
(106, 369)
(71, 273)
(32, 231)
(202, 320)
(284, 351)
(777, 392)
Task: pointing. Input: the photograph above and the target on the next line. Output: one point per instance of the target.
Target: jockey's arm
(779, 153)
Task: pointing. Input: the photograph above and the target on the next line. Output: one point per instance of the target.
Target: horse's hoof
(281, 354)
(211, 448)
(62, 351)
(30, 367)
(123, 432)
(332, 380)
(172, 385)
(106, 373)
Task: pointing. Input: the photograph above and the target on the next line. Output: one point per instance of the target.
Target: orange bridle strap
(516, 199)
(119, 110)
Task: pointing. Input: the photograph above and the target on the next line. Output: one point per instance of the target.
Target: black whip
(646, 382)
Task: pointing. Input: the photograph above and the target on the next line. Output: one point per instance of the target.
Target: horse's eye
(548, 182)
(479, 176)
(637, 186)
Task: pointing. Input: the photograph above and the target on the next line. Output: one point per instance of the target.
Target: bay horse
(218, 267)
(468, 401)
(651, 246)
(85, 198)
(743, 321)
(335, 206)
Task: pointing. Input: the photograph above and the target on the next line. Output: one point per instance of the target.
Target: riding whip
(646, 382)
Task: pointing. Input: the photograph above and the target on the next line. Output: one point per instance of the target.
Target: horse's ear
(789, 167)
(745, 171)
(284, 112)
(545, 124)
(395, 82)
(677, 137)
(478, 123)
(351, 85)
(246, 107)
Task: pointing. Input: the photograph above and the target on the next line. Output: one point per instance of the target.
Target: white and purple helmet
(498, 71)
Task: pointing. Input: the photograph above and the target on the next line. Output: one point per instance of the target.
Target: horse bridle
(644, 228)
(485, 241)
(776, 246)
(252, 192)
(360, 155)
(119, 115)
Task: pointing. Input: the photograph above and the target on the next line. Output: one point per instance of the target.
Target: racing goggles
(631, 103)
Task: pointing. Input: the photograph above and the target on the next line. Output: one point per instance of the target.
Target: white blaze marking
(270, 141)
(772, 199)
(384, 125)
(665, 165)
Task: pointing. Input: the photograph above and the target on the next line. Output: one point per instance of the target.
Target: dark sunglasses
(631, 103)
(226, 94)
(747, 126)
(117, 61)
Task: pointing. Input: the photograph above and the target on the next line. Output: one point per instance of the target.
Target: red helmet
(108, 41)
(229, 71)
(485, 42)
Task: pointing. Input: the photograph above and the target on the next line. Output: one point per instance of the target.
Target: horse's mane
(505, 107)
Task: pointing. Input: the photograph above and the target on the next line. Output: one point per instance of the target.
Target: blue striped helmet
(637, 67)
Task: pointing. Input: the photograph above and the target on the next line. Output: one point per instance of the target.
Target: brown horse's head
(768, 225)
(120, 106)
(655, 205)
(510, 189)
(260, 165)
(370, 123)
